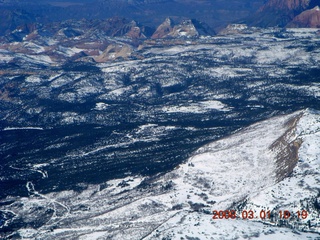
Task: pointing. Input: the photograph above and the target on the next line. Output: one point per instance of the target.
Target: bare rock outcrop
(170, 30)
(280, 12)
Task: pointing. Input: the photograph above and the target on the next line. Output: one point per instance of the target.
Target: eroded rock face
(286, 149)
(307, 19)
(117, 27)
(164, 29)
(170, 30)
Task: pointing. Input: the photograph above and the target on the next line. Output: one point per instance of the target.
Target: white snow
(33, 79)
(199, 226)
(118, 92)
(274, 54)
(72, 117)
(199, 107)
(303, 32)
(233, 168)
(69, 51)
(22, 128)
(39, 59)
(227, 72)
(101, 106)
(5, 58)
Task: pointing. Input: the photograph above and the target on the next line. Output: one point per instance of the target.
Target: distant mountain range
(151, 13)
(111, 27)
(217, 14)
(96, 40)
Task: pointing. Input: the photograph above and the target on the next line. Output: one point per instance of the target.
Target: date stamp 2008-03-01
(262, 214)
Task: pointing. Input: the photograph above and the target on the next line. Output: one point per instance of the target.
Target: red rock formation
(279, 12)
(164, 29)
(168, 30)
(307, 19)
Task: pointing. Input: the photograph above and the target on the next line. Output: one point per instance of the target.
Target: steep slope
(244, 163)
(298, 193)
(307, 19)
(279, 12)
(164, 29)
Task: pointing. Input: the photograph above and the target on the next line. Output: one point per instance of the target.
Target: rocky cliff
(168, 29)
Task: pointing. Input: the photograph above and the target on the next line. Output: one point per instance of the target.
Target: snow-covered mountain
(270, 166)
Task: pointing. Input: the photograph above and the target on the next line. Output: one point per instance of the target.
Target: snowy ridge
(233, 168)
(300, 191)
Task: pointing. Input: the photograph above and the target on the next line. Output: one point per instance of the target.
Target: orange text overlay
(263, 214)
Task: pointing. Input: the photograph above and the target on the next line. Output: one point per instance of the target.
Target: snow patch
(200, 107)
(101, 106)
(22, 128)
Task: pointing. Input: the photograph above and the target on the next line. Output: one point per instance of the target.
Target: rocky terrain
(95, 40)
